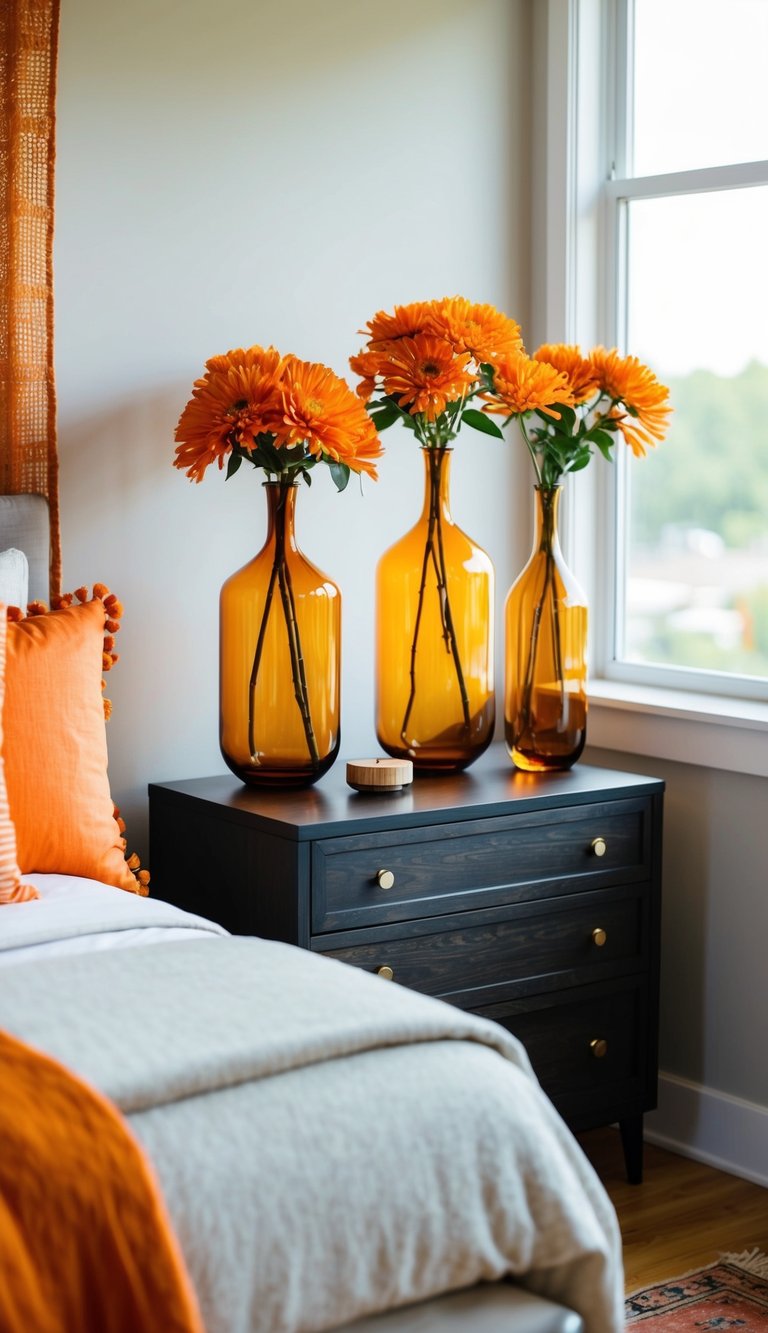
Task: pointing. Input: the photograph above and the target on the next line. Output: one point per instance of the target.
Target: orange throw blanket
(85, 1241)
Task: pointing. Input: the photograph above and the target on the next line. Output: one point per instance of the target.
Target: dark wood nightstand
(530, 899)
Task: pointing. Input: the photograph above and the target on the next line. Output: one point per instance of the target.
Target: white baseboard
(710, 1127)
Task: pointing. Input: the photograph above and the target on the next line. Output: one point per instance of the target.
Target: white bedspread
(74, 915)
(329, 1144)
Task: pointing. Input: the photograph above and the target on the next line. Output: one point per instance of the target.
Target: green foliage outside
(710, 473)
(712, 469)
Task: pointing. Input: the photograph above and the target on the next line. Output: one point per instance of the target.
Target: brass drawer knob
(599, 1047)
(599, 937)
(599, 846)
(385, 879)
(385, 972)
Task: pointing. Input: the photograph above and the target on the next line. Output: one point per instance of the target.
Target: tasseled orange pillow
(55, 747)
(11, 888)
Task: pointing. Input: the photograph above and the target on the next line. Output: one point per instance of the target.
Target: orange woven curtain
(28, 455)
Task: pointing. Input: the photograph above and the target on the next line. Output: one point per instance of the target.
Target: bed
(333, 1151)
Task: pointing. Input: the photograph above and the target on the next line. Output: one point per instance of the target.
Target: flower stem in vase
(280, 574)
(434, 553)
(545, 689)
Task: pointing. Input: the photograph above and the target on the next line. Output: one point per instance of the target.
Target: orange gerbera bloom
(580, 371)
(320, 411)
(424, 374)
(236, 399)
(481, 330)
(524, 385)
(368, 366)
(628, 382)
(405, 322)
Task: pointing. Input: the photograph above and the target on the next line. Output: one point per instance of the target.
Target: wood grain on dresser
(533, 900)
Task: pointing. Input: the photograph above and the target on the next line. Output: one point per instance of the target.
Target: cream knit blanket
(329, 1144)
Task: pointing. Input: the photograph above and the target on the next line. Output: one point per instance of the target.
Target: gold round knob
(599, 1048)
(599, 846)
(385, 879)
(385, 972)
(599, 936)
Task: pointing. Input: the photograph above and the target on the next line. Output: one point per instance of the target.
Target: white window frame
(644, 712)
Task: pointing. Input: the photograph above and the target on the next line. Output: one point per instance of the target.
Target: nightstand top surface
(491, 787)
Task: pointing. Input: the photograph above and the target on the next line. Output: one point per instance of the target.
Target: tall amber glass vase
(434, 637)
(545, 704)
(279, 659)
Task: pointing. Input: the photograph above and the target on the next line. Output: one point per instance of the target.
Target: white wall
(713, 1094)
(265, 171)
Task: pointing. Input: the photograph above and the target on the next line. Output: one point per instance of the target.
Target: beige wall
(267, 171)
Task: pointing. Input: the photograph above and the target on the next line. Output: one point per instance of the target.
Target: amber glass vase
(545, 703)
(279, 659)
(434, 637)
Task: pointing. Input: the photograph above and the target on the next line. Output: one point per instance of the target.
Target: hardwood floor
(683, 1216)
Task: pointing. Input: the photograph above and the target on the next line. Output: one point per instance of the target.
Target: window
(686, 212)
(650, 209)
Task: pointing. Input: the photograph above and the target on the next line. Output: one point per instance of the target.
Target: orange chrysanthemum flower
(424, 374)
(579, 370)
(524, 385)
(481, 330)
(628, 382)
(405, 322)
(237, 399)
(320, 411)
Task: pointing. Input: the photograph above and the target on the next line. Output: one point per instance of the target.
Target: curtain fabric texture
(28, 453)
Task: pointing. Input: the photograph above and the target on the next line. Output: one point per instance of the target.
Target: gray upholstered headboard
(25, 524)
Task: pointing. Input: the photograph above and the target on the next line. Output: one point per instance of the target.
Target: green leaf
(385, 417)
(340, 474)
(234, 462)
(601, 438)
(580, 460)
(604, 443)
(567, 417)
(266, 447)
(487, 374)
(304, 472)
(479, 421)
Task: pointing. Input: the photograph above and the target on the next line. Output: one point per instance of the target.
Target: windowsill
(702, 729)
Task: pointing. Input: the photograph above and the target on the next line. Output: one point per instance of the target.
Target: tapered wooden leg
(632, 1142)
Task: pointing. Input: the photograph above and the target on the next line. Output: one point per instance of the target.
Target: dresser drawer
(586, 1047)
(478, 957)
(417, 872)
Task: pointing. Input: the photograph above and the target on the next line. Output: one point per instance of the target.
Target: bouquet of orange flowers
(426, 362)
(428, 365)
(566, 403)
(277, 412)
(284, 416)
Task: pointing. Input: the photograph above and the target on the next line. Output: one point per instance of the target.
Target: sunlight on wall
(267, 173)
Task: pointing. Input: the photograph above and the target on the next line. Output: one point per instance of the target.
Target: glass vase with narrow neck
(434, 637)
(279, 659)
(545, 694)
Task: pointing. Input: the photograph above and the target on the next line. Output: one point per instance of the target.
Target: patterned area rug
(731, 1294)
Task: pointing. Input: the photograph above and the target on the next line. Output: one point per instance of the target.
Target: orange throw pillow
(55, 746)
(11, 888)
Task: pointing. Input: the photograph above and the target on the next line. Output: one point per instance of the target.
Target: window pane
(701, 92)
(697, 537)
